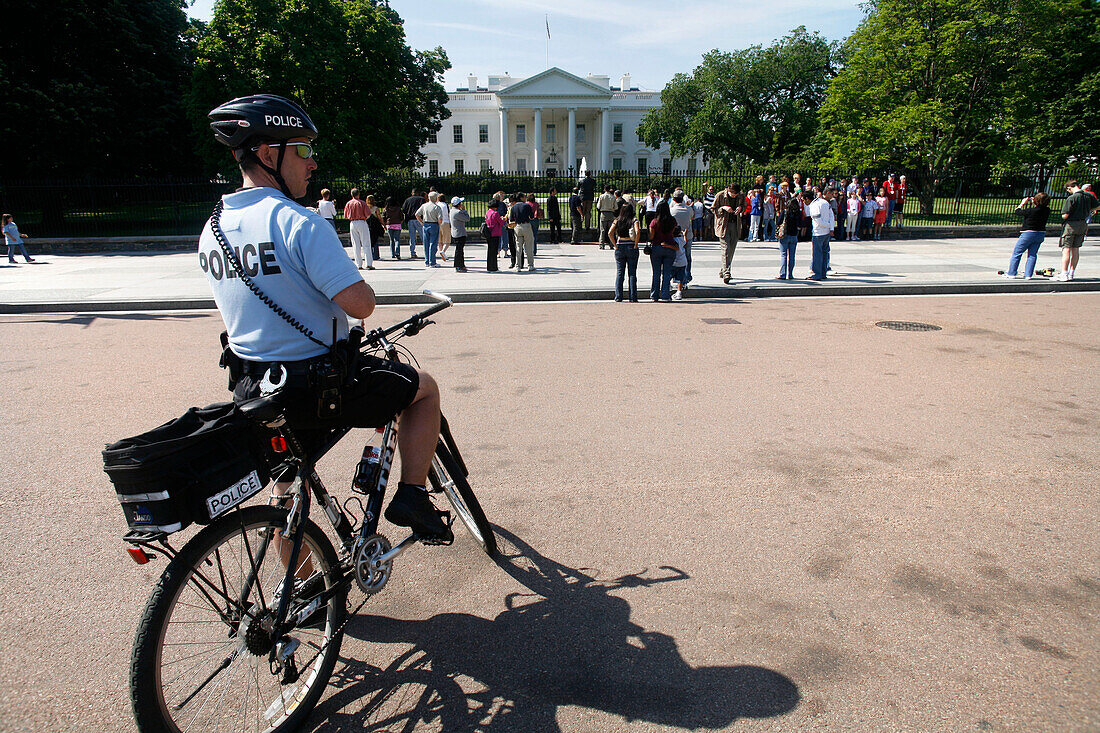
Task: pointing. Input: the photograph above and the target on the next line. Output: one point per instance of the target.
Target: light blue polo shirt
(295, 258)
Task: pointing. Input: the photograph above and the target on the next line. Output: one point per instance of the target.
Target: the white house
(548, 123)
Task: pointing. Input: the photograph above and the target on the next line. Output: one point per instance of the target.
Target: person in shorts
(293, 256)
(1076, 210)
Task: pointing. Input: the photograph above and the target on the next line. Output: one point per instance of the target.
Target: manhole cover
(907, 326)
(721, 321)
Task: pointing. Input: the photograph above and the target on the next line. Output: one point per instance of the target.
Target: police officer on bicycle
(285, 288)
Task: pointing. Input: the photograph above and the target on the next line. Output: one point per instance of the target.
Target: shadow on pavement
(88, 319)
(567, 641)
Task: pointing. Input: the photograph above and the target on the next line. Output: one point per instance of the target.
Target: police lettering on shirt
(296, 260)
(254, 259)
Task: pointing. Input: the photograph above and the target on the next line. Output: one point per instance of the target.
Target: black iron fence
(174, 206)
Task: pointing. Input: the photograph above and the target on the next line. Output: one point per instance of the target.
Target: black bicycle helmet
(259, 117)
(244, 122)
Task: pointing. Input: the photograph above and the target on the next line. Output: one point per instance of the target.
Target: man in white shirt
(824, 221)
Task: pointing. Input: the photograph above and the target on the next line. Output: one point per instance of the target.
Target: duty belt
(256, 368)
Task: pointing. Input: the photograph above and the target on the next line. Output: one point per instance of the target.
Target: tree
(374, 100)
(755, 105)
(96, 89)
(1054, 90)
(923, 85)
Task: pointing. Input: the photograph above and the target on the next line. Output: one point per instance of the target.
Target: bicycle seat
(265, 409)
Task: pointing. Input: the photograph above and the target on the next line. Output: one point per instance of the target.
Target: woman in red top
(662, 231)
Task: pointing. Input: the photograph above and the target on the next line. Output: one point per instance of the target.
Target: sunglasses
(304, 150)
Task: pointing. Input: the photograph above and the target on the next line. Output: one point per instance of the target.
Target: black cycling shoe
(412, 508)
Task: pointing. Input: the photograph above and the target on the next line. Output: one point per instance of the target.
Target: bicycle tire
(446, 476)
(179, 607)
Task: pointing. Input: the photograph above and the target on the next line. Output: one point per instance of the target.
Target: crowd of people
(664, 225)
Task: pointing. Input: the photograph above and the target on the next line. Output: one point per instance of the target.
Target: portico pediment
(553, 85)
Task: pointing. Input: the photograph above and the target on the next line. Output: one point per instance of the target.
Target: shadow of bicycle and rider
(566, 641)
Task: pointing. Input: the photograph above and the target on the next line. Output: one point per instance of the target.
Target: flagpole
(547, 40)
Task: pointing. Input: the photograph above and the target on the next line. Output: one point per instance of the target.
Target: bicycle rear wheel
(446, 476)
(201, 658)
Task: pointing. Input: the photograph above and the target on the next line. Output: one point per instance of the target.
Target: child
(14, 239)
(852, 221)
(881, 202)
(866, 221)
(679, 266)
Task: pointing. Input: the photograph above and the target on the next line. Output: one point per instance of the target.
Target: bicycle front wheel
(446, 476)
(203, 654)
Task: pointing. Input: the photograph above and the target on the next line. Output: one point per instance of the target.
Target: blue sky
(649, 40)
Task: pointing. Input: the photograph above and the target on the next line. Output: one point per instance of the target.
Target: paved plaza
(746, 515)
(173, 280)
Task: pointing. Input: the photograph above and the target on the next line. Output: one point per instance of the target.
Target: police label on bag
(226, 499)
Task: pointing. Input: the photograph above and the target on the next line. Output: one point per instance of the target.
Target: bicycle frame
(307, 482)
(306, 465)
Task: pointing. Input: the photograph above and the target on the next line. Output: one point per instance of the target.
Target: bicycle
(243, 629)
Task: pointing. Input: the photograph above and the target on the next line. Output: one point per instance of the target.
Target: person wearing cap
(271, 261)
(459, 218)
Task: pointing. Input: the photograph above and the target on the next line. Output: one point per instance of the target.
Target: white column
(503, 139)
(605, 139)
(571, 159)
(538, 140)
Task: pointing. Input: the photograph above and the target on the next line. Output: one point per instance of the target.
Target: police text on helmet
(283, 121)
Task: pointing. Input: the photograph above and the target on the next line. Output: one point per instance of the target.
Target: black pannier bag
(191, 469)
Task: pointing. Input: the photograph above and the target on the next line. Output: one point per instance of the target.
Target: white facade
(548, 123)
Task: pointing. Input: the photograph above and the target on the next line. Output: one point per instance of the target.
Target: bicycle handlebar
(417, 321)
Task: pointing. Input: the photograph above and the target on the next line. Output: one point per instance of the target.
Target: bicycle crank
(372, 570)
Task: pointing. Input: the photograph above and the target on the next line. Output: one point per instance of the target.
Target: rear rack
(150, 541)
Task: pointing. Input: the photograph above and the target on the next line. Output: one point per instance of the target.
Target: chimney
(624, 83)
(471, 83)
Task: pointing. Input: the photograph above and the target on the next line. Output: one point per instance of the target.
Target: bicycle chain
(337, 633)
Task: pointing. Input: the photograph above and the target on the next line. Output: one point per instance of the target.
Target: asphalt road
(794, 521)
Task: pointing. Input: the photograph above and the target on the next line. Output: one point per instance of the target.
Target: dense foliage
(373, 98)
(96, 88)
(931, 85)
(756, 105)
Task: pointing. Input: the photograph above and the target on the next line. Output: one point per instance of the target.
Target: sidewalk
(172, 280)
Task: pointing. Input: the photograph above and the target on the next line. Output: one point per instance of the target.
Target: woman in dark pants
(1036, 212)
(553, 213)
(459, 218)
(494, 223)
(663, 253)
(624, 235)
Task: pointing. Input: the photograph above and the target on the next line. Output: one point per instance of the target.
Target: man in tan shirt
(729, 204)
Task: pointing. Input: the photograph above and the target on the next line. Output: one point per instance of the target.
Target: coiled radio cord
(231, 258)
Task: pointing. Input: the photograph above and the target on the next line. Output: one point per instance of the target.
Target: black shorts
(381, 390)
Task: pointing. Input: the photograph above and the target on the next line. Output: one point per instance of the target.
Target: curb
(710, 293)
